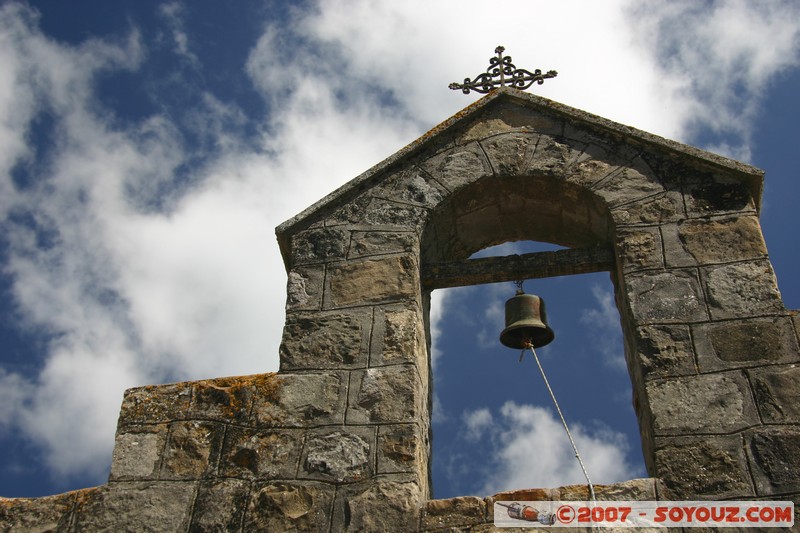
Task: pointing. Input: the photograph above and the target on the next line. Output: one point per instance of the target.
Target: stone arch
(677, 228)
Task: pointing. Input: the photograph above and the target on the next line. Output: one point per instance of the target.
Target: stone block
(219, 506)
(412, 186)
(353, 212)
(633, 489)
(675, 253)
(38, 515)
(228, 399)
(485, 128)
(260, 454)
(137, 453)
(665, 297)
(154, 404)
(384, 394)
(742, 290)
(708, 403)
(643, 489)
(370, 243)
(553, 156)
(373, 280)
(509, 117)
(345, 455)
(630, 183)
(594, 165)
(192, 450)
(319, 245)
(722, 240)
(280, 506)
(711, 467)
(387, 214)
(385, 504)
(795, 315)
(304, 288)
(775, 458)
(743, 343)
(459, 166)
(776, 390)
(658, 209)
(715, 195)
(398, 337)
(476, 223)
(509, 152)
(301, 400)
(453, 512)
(665, 351)
(330, 340)
(639, 249)
(142, 507)
(528, 495)
(401, 449)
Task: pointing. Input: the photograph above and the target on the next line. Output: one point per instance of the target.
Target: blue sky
(148, 150)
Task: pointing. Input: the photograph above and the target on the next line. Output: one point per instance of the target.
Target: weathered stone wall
(339, 439)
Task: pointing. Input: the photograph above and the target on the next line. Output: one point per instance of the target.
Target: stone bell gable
(339, 439)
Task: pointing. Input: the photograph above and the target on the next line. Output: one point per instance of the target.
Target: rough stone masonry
(339, 439)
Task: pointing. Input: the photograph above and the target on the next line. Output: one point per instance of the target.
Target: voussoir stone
(508, 153)
(459, 166)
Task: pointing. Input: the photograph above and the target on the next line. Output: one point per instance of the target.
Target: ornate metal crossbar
(502, 73)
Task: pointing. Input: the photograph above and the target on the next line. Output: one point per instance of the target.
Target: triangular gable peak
(545, 126)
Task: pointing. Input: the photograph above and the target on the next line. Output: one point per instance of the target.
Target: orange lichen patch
(155, 403)
(231, 396)
(65, 499)
(85, 496)
(532, 495)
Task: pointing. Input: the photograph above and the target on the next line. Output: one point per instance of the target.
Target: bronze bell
(526, 322)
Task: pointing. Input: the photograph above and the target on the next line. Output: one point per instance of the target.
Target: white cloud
(476, 422)
(604, 327)
(172, 12)
(530, 449)
(725, 54)
(136, 294)
(14, 391)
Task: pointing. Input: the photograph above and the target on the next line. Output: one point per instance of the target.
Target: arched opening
(504, 422)
(494, 426)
